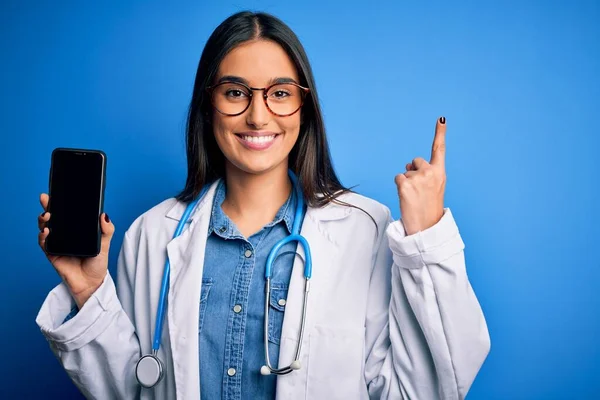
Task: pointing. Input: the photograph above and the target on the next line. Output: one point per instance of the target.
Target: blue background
(517, 81)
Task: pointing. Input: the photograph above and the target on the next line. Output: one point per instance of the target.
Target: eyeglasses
(234, 98)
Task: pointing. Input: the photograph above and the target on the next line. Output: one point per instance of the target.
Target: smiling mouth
(257, 139)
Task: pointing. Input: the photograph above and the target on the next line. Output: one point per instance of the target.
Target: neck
(252, 201)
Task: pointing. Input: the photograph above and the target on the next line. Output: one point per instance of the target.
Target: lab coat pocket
(335, 369)
(206, 285)
(276, 310)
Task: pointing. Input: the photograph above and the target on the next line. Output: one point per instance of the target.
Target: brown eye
(284, 92)
(280, 94)
(234, 93)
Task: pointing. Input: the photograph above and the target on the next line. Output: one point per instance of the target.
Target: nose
(257, 114)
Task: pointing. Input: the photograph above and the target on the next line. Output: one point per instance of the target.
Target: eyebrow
(272, 81)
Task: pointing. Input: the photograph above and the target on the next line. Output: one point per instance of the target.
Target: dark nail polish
(43, 214)
(106, 218)
(442, 120)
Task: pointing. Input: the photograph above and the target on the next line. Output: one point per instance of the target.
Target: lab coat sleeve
(426, 334)
(98, 347)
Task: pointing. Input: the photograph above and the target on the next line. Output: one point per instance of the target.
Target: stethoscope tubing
(151, 378)
(164, 287)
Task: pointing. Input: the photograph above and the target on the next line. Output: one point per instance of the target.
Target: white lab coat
(389, 316)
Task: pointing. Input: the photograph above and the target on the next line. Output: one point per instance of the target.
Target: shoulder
(355, 204)
(155, 218)
(160, 221)
(357, 227)
(356, 211)
(379, 211)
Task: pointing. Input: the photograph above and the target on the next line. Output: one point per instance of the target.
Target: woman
(390, 312)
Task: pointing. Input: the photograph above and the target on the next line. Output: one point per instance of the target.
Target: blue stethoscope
(149, 369)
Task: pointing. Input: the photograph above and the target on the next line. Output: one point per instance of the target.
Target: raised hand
(421, 188)
(82, 276)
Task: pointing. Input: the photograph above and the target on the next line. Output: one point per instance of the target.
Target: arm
(431, 339)
(98, 347)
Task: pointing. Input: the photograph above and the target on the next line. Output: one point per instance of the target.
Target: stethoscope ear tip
(295, 364)
(264, 370)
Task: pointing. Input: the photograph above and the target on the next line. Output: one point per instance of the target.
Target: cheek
(221, 127)
(219, 123)
(291, 126)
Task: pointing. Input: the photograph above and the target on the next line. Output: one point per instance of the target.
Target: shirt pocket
(277, 304)
(206, 285)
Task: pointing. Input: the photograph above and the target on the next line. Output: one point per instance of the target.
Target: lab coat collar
(176, 210)
(330, 212)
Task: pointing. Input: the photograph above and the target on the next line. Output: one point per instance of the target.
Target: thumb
(108, 229)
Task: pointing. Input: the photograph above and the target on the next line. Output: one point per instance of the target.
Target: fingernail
(442, 120)
(106, 218)
(43, 214)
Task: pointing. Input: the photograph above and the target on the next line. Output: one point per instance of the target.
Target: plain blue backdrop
(517, 81)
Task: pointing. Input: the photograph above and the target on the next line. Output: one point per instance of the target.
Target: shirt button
(237, 308)
(231, 371)
(248, 253)
(281, 302)
(222, 229)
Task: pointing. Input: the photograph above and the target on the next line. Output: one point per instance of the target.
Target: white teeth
(259, 139)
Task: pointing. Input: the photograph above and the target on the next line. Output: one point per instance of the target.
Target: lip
(257, 146)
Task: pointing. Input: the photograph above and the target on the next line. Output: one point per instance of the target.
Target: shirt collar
(221, 225)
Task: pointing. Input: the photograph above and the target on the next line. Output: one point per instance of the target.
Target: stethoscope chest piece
(149, 370)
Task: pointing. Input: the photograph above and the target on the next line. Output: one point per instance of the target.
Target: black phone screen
(76, 202)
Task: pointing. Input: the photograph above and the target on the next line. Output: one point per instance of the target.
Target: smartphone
(76, 191)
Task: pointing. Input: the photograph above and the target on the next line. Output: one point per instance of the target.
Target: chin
(258, 167)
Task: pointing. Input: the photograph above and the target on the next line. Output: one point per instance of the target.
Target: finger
(409, 167)
(398, 179)
(401, 180)
(419, 163)
(438, 150)
(108, 229)
(42, 238)
(43, 219)
(44, 198)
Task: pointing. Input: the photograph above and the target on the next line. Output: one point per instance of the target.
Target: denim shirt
(232, 301)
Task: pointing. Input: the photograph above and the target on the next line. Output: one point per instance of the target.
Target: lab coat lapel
(186, 255)
(324, 252)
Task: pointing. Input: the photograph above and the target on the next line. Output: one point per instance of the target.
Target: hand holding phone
(75, 233)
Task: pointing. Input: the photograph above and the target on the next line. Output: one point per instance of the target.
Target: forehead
(258, 62)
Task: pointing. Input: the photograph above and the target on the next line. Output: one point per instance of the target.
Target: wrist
(83, 296)
(411, 226)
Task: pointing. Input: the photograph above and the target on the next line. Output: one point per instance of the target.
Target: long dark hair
(309, 159)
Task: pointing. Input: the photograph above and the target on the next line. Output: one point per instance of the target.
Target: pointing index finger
(438, 150)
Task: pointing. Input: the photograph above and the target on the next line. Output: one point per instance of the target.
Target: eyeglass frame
(251, 90)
